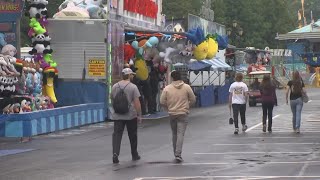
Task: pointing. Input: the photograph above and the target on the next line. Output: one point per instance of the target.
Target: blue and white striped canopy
(216, 64)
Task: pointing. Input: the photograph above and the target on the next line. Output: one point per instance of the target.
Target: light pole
(234, 33)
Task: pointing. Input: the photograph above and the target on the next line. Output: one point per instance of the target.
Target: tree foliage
(260, 20)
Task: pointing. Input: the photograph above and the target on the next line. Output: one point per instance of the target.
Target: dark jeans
(267, 109)
(132, 126)
(236, 109)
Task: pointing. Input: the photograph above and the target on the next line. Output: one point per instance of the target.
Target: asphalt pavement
(211, 150)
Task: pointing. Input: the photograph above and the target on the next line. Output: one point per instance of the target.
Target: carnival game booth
(152, 55)
(205, 68)
(304, 44)
(208, 83)
(35, 100)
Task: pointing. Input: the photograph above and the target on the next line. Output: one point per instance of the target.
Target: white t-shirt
(238, 90)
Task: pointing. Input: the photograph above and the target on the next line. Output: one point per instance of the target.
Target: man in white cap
(125, 111)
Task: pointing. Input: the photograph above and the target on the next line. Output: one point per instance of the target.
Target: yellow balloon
(212, 48)
(142, 72)
(201, 51)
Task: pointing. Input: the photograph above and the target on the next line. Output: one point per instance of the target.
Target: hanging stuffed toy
(49, 78)
(196, 36)
(36, 27)
(152, 42)
(212, 47)
(142, 72)
(129, 52)
(48, 59)
(9, 50)
(2, 41)
(138, 46)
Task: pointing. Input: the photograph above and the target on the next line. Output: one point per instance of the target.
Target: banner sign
(10, 10)
(147, 8)
(97, 67)
(209, 27)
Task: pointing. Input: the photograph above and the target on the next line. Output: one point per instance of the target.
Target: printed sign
(10, 10)
(97, 67)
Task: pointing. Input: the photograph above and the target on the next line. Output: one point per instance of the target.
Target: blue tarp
(199, 66)
(71, 93)
(214, 64)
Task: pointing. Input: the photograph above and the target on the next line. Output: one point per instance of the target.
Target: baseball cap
(126, 71)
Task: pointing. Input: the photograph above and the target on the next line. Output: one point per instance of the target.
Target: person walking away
(269, 100)
(177, 98)
(126, 111)
(238, 97)
(295, 88)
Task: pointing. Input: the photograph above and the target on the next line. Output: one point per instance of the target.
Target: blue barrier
(223, 94)
(207, 97)
(46, 121)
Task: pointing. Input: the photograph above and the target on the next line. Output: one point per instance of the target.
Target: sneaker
(264, 128)
(179, 159)
(115, 159)
(136, 157)
(236, 131)
(297, 130)
(244, 128)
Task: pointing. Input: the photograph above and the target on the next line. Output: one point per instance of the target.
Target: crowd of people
(177, 97)
(238, 98)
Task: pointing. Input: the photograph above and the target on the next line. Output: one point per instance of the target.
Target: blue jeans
(296, 108)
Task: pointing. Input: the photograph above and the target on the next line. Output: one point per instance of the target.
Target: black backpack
(120, 102)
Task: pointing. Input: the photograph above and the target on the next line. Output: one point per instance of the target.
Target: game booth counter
(33, 100)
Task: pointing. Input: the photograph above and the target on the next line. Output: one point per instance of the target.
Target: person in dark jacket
(269, 100)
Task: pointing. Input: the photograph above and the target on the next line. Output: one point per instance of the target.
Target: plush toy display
(34, 77)
(94, 8)
(197, 37)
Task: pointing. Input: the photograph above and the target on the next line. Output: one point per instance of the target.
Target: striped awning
(218, 65)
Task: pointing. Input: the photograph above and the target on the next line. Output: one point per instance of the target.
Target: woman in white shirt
(238, 99)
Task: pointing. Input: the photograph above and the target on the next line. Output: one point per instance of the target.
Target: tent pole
(209, 77)
(202, 78)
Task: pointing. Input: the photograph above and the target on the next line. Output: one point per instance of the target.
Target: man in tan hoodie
(177, 98)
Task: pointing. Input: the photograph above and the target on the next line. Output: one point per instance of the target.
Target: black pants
(132, 126)
(267, 109)
(236, 109)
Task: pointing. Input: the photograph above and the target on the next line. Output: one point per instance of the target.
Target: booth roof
(214, 64)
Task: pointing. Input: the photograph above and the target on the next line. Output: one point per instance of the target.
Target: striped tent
(218, 65)
(214, 64)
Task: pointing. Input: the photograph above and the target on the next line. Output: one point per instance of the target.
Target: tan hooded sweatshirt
(177, 98)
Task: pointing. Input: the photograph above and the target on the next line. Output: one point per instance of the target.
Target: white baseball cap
(127, 71)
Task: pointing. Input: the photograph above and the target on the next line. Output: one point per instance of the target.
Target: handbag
(305, 97)
(230, 119)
